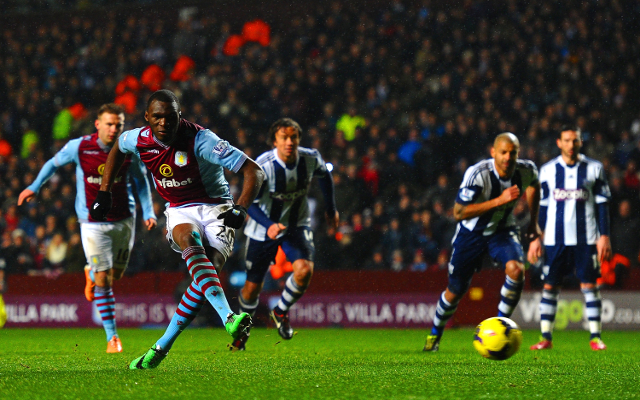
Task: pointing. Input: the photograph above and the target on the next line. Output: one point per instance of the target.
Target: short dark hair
(111, 108)
(569, 127)
(283, 123)
(165, 96)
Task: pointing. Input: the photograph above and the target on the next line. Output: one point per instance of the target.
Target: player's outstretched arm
(468, 211)
(66, 155)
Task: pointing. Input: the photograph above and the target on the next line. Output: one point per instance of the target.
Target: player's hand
(509, 195)
(533, 232)
(25, 195)
(275, 230)
(333, 221)
(604, 249)
(101, 206)
(234, 217)
(535, 251)
(150, 223)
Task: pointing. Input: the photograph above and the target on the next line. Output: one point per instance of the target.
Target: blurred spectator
(625, 230)
(56, 252)
(431, 95)
(418, 264)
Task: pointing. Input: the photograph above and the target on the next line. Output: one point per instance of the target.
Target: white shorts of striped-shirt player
(108, 245)
(205, 218)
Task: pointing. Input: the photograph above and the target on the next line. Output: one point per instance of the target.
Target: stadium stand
(401, 98)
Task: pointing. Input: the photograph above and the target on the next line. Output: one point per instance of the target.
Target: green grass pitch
(316, 364)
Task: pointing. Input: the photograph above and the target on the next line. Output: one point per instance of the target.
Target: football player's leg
(299, 249)
(588, 271)
(554, 270)
(505, 248)
(190, 304)
(466, 258)
(201, 269)
(97, 244)
(259, 256)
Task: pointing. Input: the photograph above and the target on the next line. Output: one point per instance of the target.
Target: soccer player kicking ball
(574, 213)
(483, 209)
(186, 162)
(280, 217)
(107, 242)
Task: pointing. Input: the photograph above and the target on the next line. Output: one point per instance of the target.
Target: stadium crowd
(399, 98)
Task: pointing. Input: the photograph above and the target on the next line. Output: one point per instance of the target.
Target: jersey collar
(283, 164)
(578, 161)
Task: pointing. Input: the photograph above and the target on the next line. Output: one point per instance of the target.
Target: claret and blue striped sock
(190, 304)
(444, 311)
(206, 278)
(291, 293)
(509, 296)
(106, 304)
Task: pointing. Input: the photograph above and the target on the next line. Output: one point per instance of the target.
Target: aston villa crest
(181, 158)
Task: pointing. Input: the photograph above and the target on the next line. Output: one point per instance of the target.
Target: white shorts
(108, 245)
(205, 217)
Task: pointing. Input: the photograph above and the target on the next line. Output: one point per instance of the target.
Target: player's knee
(515, 270)
(303, 270)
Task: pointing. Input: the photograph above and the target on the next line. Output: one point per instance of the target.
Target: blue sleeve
(542, 217)
(66, 155)
(217, 151)
(128, 141)
(602, 209)
(259, 216)
(140, 179)
(326, 186)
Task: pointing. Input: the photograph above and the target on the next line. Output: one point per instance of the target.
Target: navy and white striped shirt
(283, 197)
(482, 183)
(569, 195)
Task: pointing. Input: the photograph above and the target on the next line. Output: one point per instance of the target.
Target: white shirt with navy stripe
(570, 194)
(283, 197)
(482, 183)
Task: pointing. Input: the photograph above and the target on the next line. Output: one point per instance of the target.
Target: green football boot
(238, 325)
(151, 359)
(432, 344)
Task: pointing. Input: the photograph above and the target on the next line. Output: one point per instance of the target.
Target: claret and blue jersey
(190, 170)
(90, 155)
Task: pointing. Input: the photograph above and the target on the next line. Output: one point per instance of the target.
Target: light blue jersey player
(574, 216)
(280, 217)
(483, 209)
